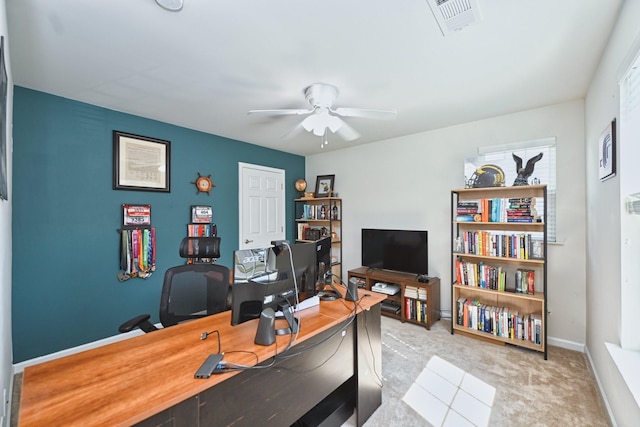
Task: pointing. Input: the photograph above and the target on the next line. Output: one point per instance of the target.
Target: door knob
(246, 241)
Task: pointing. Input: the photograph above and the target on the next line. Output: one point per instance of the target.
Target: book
(460, 311)
(302, 226)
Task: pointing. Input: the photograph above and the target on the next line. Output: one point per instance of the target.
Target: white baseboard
(569, 345)
(445, 314)
(600, 388)
(19, 367)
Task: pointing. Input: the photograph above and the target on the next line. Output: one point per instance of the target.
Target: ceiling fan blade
(369, 114)
(294, 131)
(282, 112)
(346, 132)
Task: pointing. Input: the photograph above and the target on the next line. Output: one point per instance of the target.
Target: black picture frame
(324, 185)
(4, 186)
(607, 152)
(141, 163)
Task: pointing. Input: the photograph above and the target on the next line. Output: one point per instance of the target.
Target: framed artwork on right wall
(607, 152)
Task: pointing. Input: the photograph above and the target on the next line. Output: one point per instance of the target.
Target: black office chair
(190, 291)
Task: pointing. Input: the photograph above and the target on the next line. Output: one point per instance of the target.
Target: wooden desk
(152, 375)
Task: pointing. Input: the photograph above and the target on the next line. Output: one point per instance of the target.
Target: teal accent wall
(66, 216)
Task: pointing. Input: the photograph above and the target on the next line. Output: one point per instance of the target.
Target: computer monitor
(325, 273)
(323, 261)
(270, 282)
(253, 263)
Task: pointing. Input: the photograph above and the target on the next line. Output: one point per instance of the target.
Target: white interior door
(262, 208)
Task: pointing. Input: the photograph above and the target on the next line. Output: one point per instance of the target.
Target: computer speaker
(352, 291)
(266, 334)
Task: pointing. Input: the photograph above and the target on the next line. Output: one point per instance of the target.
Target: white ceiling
(204, 67)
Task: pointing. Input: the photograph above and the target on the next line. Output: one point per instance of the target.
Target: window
(626, 356)
(544, 170)
(629, 174)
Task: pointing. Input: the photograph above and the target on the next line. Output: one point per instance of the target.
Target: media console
(417, 301)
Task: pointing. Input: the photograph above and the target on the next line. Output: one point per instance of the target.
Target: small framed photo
(607, 152)
(140, 163)
(324, 185)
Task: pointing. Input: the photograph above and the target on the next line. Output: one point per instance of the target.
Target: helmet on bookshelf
(487, 176)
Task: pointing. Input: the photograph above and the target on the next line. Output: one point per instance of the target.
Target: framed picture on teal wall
(141, 163)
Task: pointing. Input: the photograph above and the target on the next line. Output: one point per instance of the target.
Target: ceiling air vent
(454, 15)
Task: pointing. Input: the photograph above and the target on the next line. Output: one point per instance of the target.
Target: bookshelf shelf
(499, 265)
(538, 297)
(517, 226)
(496, 259)
(490, 337)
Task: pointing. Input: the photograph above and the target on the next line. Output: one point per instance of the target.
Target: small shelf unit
(313, 216)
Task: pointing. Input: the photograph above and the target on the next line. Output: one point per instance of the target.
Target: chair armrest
(141, 321)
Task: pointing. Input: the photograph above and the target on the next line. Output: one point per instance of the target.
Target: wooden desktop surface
(126, 382)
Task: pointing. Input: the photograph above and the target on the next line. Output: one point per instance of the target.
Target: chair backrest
(192, 291)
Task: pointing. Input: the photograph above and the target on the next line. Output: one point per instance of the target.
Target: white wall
(5, 240)
(603, 220)
(406, 183)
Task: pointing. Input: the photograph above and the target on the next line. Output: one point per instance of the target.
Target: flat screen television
(396, 250)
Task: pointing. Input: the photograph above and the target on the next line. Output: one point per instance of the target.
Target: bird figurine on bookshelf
(524, 173)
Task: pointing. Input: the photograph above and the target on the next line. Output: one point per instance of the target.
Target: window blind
(544, 171)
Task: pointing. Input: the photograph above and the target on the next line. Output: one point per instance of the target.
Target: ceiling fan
(323, 116)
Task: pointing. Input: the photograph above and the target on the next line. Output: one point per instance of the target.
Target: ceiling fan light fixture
(171, 5)
(310, 123)
(334, 124)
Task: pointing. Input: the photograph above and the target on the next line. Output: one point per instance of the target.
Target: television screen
(397, 250)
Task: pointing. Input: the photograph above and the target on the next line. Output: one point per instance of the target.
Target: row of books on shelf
(497, 210)
(416, 310)
(499, 321)
(202, 230)
(487, 276)
(415, 292)
(485, 243)
(321, 212)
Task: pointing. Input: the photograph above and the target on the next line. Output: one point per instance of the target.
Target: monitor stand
(329, 294)
(294, 325)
